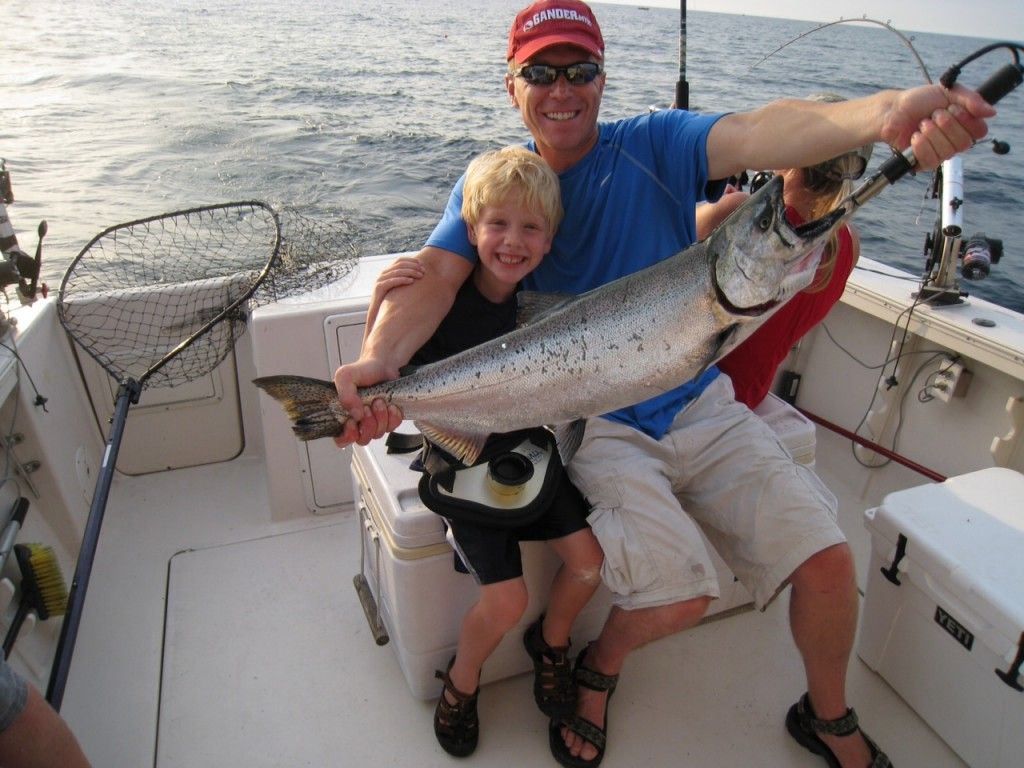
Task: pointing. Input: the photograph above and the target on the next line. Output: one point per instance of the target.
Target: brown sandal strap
(841, 726)
(595, 681)
(553, 680)
(586, 730)
(461, 698)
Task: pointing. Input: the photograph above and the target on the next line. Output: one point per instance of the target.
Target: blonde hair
(512, 174)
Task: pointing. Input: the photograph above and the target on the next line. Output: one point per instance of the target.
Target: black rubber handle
(1001, 83)
(992, 90)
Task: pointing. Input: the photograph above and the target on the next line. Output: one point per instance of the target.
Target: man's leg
(623, 633)
(655, 560)
(823, 619)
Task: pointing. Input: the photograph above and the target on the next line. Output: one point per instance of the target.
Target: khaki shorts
(720, 468)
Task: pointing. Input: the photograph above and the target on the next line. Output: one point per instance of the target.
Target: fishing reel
(17, 268)
(976, 254)
(945, 247)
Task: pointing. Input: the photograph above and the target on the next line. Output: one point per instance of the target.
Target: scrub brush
(42, 588)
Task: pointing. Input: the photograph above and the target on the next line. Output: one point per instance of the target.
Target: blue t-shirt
(659, 165)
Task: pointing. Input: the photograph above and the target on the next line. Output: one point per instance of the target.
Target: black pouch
(511, 485)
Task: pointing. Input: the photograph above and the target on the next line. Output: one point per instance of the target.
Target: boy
(512, 207)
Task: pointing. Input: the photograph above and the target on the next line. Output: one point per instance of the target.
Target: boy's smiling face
(511, 240)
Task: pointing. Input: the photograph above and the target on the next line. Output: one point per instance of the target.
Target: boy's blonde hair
(512, 174)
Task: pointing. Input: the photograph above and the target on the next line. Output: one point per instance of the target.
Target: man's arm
(793, 133)
(402, 271)
(408, 315)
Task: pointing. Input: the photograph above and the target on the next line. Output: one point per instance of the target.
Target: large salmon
(605, 349)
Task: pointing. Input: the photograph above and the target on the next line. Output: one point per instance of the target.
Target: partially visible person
(653, 471)
(809, 193)
(511, 208)
(32, 734)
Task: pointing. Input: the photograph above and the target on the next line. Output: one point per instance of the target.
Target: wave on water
(371, 113)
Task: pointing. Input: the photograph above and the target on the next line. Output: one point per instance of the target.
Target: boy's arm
(408, 315)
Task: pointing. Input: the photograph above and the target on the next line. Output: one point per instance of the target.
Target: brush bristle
(39, 568)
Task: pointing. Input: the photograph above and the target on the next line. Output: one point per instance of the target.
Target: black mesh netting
(160, 301)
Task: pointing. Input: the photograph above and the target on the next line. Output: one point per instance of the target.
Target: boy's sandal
(805, 727)
(582, 727)
(456, 726)
(553, 687)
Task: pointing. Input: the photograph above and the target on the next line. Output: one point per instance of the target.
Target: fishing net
(313, 254)
(159, 301)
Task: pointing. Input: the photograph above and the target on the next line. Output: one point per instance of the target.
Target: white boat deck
(265, 657)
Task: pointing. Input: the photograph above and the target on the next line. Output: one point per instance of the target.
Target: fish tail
(311, 404)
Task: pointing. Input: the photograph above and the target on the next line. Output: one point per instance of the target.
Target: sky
(993, 19)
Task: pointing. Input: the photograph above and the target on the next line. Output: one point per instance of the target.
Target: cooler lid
(394, 486)
(795, 430)
(967, 533)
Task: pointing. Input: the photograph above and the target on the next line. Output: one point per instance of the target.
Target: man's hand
(936, 122)
(364, 423)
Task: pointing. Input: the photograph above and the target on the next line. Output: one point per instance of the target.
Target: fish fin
(531, 306)
(568, 438)
(724, 343)
(408, 370)
(311, 404)
(464, 446)
(724, 337)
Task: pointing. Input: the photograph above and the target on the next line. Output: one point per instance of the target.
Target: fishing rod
(900, 164)
(682, 100)
(907, 41)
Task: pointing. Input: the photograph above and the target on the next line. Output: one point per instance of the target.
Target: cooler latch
(370, 606)
(901, 549)
(1010, 676)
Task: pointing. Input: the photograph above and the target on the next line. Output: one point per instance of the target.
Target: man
(32, 734)
(629, 189)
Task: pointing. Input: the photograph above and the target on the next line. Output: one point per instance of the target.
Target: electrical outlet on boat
(951, 380)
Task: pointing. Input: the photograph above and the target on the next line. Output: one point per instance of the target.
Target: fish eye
(764, 221)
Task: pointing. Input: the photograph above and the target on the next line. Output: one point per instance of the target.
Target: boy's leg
(575, 583)
(499, 609)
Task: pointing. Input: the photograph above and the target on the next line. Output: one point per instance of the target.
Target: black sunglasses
(579, 73)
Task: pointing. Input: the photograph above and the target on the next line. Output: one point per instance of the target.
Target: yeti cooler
(943, 616)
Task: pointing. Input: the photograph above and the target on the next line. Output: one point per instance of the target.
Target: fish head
(759, 260)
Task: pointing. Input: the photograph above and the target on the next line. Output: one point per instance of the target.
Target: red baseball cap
(554, 22)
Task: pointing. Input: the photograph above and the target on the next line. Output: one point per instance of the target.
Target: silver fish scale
(622, 343)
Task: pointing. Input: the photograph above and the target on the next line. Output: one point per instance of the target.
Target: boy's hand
(364, 423)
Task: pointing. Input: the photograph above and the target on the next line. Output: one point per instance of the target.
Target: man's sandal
(582, 727)
(553, 687)
(456, 726)
(805, 727)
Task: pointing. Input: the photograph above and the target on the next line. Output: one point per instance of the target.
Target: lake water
(119, 109)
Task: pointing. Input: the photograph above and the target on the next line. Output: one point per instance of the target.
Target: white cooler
(794, 430)
(948, 636)
(408, 569)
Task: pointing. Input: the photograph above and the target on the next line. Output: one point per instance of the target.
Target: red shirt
(752, 364)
